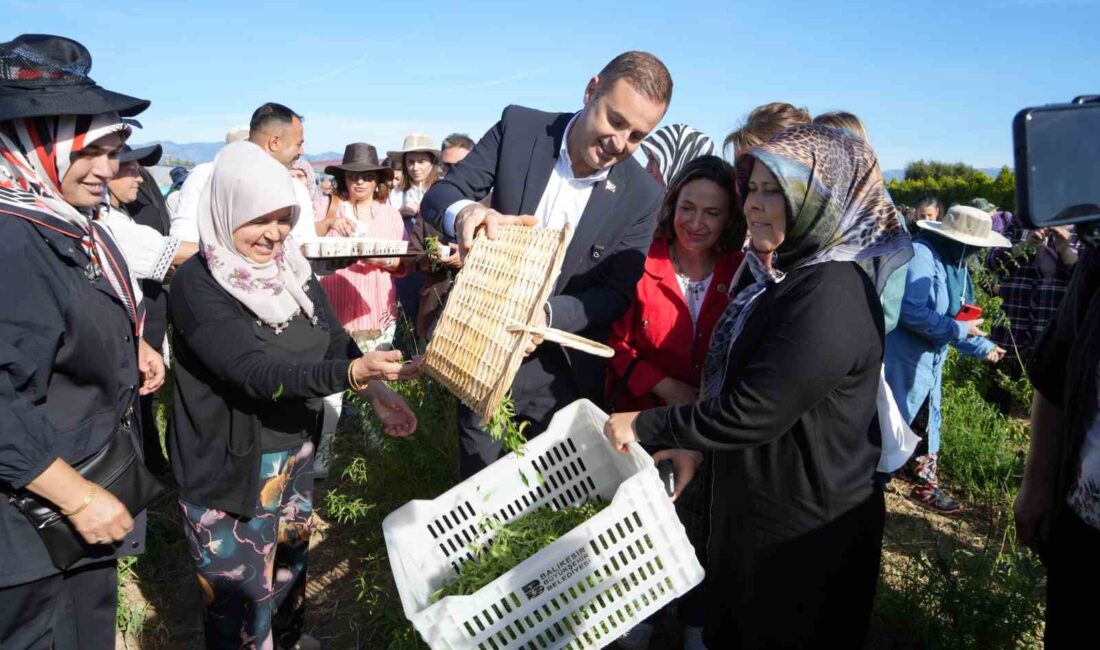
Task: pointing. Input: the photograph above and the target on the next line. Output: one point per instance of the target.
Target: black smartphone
(1057, 156)
(668, 476)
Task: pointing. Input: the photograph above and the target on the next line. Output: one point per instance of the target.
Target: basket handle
(566, 339)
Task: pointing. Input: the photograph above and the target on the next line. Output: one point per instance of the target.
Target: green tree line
(953, 183)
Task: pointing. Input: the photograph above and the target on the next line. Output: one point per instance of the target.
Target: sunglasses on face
(368, 177)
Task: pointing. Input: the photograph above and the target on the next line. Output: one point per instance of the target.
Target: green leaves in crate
(514, 543)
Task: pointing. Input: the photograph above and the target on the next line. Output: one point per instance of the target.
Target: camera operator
(1058, 507)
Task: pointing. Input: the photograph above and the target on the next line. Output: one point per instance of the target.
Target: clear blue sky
(934, 79)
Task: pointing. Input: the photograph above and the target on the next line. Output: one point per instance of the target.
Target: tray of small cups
(339, 252)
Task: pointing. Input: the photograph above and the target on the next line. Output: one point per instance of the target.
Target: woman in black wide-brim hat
(71, 368)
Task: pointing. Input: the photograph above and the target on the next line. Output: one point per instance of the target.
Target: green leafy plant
(513, 543)
(502, 426)
(345, 509)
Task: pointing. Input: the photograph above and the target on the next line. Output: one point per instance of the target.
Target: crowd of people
(759, 300)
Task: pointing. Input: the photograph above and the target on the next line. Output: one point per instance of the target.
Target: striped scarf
(674, 146)
(35, 155)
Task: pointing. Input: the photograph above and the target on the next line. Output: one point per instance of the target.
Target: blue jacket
(917, 349)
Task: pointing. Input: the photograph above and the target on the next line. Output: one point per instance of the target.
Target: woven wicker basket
(496, 302)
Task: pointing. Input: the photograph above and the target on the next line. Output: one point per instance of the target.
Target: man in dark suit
(552, 169)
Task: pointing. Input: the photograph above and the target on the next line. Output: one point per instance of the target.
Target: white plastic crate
(584, 590)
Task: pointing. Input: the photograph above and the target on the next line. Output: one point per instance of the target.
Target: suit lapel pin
(610, 187)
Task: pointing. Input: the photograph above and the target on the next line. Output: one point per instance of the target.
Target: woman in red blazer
(662, 339)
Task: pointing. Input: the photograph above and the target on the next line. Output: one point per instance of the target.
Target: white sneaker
(693, 638)
(637, 638)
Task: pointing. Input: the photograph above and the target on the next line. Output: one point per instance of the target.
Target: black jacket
(794, 449)
(602, 265)
(233, 380)
(68, 370)
(1065, 365)
(149, 209)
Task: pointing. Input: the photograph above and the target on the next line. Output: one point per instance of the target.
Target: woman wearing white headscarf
(257, 347)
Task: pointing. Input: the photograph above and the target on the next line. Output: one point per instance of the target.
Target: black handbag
(118, 469)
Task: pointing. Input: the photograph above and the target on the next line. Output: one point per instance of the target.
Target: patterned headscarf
(35, 155)
(248, 183)
(837, 210)
(674, 146)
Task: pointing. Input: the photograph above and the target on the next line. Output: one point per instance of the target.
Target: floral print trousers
(252, 571)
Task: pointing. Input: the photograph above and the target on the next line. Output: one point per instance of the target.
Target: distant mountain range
(200, 152)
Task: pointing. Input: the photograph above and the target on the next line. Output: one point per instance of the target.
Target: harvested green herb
(503, 428)
(514, 543)
(278, 393)
(432, 247)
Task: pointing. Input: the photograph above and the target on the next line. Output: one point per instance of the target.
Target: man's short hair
(645, 73)
(270, 113)
(764, 122)
(460, 140)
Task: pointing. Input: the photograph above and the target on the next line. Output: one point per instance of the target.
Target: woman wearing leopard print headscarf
(787, 401)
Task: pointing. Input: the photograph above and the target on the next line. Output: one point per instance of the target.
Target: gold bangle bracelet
(355, 386)
(88, 499)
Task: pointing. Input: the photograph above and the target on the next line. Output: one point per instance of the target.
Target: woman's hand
(99, 520)
(388, 264)
(675, 392)
(397, 418)
(995, 355)
(342, 226)
(973, 328)
(452, 261)
(685, 462)
(410, 210)
(151, 366)
(377, 365)
(619, 431)
(1032, 511)
(411, 369)
(104, 520)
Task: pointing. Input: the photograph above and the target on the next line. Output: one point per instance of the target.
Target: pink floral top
(363, 295)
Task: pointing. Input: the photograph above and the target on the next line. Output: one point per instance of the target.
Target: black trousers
(74, 610)
(816, 590)
(1072, 558)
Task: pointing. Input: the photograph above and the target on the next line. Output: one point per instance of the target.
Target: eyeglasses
(354, 177)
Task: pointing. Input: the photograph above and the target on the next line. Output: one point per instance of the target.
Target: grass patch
(371, 476)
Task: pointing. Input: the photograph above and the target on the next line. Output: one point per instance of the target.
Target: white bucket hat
(969, 226)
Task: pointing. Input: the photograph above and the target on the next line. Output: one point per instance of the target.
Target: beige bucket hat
(969, 226)
(415, 142)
